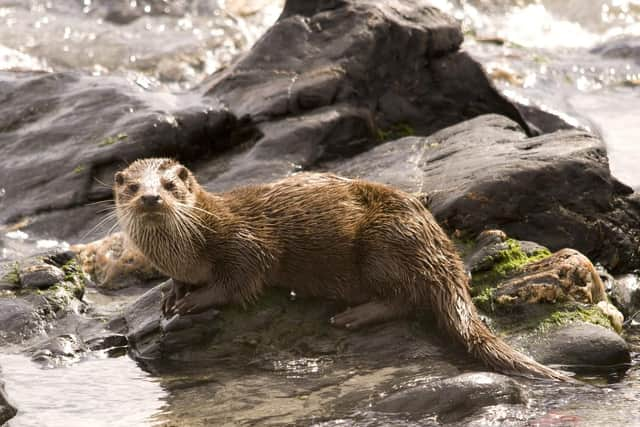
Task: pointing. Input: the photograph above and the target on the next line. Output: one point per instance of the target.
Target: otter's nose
(150, 200)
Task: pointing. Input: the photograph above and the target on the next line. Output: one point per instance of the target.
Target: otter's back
(314, 222)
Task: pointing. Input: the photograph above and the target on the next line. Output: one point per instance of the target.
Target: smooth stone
(581, 345)
(40, 276)
(452, 399)
(625, 291)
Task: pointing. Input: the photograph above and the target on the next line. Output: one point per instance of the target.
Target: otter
(374, 247)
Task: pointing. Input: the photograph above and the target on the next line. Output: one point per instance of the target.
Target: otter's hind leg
(367, 314)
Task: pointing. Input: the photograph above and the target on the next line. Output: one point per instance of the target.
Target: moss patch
(110, 140)
(74, 280)
(505, 263)
(538, 319)
(464, 243)
(12, 276)
(484, 300)
(563, 316)
(396, 131)
(61, 294)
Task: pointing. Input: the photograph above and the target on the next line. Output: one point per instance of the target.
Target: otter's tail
(461, 320)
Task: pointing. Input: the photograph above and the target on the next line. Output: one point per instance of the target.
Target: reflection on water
(98, 392)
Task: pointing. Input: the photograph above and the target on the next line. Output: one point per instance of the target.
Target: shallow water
(95, 392)
(302, 391)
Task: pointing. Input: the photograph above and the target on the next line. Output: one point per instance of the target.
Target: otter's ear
(183, 173)
(119, 178)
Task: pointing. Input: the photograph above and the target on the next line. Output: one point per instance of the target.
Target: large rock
(329, 79)
(274, 328)
(554, 189)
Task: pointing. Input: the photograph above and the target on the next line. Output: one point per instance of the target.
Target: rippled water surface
(174, 44)
(98, 392)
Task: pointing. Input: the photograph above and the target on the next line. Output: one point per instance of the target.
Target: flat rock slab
(582, 345)
(485, 173)
(274, 328)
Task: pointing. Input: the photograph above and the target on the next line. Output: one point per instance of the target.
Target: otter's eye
(169, 186)
(133, 187)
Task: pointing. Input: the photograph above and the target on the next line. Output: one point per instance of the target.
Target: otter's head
(153, 192)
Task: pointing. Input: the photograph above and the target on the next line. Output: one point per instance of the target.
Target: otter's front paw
(168, 300)
(172, 293)
(197, 300)
(190, 304)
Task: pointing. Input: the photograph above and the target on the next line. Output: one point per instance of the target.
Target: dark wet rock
(581, 345)
(627, 47)
(40, 276)
(67, 346)
(7, 410)
(26, 312)
(554, 189)
(452, 399)
(490, 247)
(272, 330)
(541, 121)
(327, 81)
(625, 292)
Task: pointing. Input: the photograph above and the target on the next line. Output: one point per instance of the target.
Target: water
(171, 45)
(540, 52)
(96, 392)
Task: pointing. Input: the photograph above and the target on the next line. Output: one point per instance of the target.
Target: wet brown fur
(372, 246)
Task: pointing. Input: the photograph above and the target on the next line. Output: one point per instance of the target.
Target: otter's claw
(172, 293)
(188, 305)
(168, 302)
